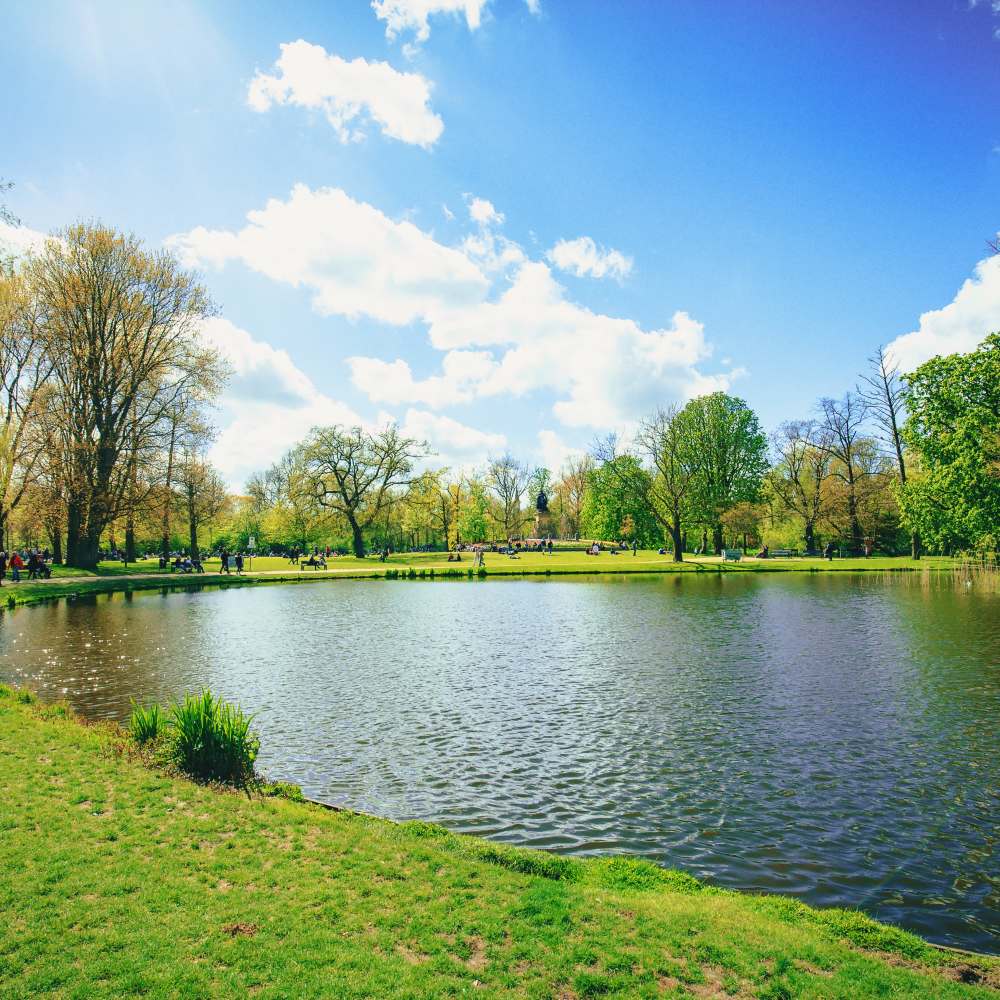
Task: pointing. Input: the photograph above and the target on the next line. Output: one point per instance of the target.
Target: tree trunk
(704, 541)
(129, 542)
(717, 539)
(915, 546)
(56, 536)
(73, 525)
(88, 549)
(358, 538)
(165, 534)
(676, 538)
(810, 536)
(192, 526)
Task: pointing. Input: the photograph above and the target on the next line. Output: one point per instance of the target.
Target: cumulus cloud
(554, 452)
(583, 257)
(606, 370)
(18, 240)
(454, 444)
(269, 404)
(393, 382)
(502, 322)
(958, 327)
(483, 212)
(349, 93)
(355, 260)
(413, 16)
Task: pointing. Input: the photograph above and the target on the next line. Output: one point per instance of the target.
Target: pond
(830, 737)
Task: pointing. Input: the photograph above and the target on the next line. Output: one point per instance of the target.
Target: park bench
(783, 553)
(731, 555)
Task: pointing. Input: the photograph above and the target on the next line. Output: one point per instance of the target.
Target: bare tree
(885, 397)
(508, 480)
(841, 427)
(203, 492)
(359, 475)
(572, 487)
(799, 478)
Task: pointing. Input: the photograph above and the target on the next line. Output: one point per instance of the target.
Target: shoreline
(28, 592)
(407, 905)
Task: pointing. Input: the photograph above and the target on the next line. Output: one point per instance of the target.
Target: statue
(542, 503)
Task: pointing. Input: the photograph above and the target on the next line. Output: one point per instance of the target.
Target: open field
(120, 879)
(67, 580)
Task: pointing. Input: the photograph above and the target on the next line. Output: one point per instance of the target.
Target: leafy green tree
(616, 494)
(954, 413)
(731, 449)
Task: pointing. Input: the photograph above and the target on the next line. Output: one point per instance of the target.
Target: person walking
(16, 565)
(239, 563)
(224, 556)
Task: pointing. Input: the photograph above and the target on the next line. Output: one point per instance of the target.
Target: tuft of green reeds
(146, 723)
(212, 740)
(205, 737)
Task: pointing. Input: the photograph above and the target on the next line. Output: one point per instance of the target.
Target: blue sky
(519, 224)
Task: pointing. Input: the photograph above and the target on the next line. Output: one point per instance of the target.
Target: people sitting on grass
(764, 552)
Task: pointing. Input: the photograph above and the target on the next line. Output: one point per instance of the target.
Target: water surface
(829, 737)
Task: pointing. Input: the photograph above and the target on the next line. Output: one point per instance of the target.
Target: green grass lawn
(119, 880)
(67, 580)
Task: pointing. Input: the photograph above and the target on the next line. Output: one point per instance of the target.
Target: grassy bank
(118, 879)
(146, 574)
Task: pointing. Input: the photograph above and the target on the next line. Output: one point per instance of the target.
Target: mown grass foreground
(117, 879)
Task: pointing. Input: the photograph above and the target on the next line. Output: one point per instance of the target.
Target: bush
(211, 739)
(146, 724)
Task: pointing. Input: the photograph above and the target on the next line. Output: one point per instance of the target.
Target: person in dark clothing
(239, 563)
(828, 551)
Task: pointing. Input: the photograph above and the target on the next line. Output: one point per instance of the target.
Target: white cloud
(348, 92)
(412, 15)
(554, 452)
(18, 240)
(958, 327)
(483, 212)
(269, 405)
(502, 322)
(454, 444)
(356, 261)
(583, 256)
(393, 381)
(605, 370)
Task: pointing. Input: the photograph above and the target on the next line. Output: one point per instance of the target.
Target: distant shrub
(146, 724)
(211, 739)
(25, 697)
(6, 691)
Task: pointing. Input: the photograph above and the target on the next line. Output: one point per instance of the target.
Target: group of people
(36, 562)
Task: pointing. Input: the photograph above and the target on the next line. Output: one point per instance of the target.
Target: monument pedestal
(545, 524)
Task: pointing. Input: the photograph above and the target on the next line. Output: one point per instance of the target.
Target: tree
(6, 215)
(616, 505)
(474, 512)
(663, 485)
(954, 413)
(799, 478)
(25, 370)
(570, 491)
(357, 474)
(885, 396)
(744, 520)
(204, 495)
(842, 427)
(123, 333)
(508, 480)
(732, 456)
